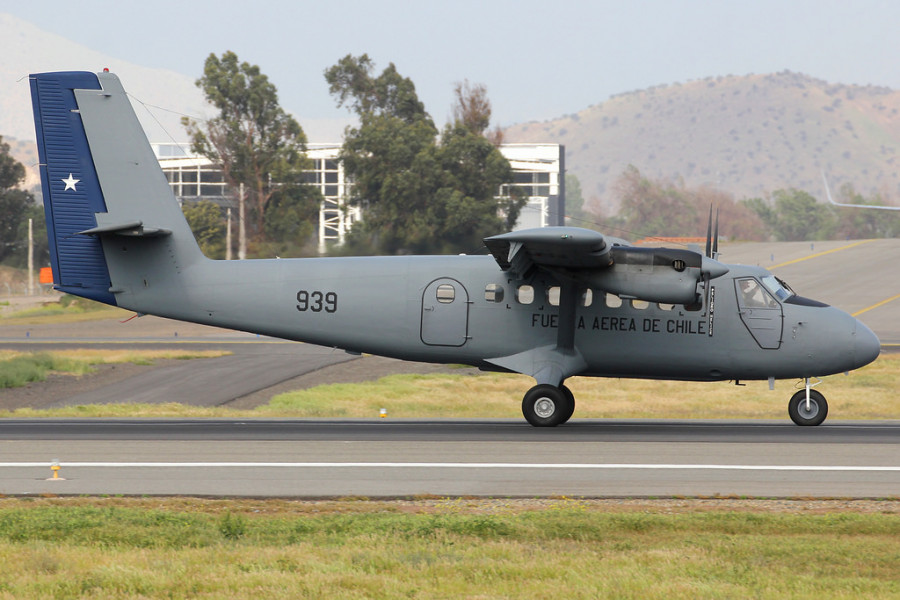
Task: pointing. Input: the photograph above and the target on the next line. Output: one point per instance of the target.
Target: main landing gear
(546, 405)
(808, 407)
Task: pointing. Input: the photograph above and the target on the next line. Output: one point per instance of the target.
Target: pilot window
(664, 306)
(493, 292)
(613, 301)
(446, 293)
(587, 298)
(525, 294)
(753, 295)
(781, 290)
(639, 304)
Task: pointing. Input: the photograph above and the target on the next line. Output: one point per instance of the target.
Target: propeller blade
(715, 248)
(709, 234)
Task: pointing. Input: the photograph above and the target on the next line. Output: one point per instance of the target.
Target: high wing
(586, 257)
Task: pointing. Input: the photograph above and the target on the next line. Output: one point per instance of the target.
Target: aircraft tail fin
(100, 180)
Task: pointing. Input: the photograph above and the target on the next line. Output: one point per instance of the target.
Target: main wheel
(814, 415)
(546, 405)
(570, 397)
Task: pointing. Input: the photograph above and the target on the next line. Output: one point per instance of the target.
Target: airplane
(551, 303)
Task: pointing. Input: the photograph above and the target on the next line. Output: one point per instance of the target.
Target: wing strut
(568, 299)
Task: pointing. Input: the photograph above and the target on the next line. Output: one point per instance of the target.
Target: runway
(288, 458)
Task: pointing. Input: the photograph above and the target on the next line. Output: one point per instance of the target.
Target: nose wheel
(808, 412)
(547, 405)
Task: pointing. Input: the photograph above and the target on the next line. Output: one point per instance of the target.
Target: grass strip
(207, 549)
(21, 368)
(869, 393)
(68, 309)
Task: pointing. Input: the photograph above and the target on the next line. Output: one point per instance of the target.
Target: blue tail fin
(114, 225)
(71, 189)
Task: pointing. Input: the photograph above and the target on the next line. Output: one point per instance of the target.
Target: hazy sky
(539, 59)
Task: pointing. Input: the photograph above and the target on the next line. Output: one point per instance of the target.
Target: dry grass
(20, 368)
(869, 393)
(165, 548)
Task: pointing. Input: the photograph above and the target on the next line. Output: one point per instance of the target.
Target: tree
(15, 207)
(419, 194)
(862, 223)
(663, 208)
(290, 217)
(795, 216)
(575, 213)
(205, 220)
(473, 109)
(254, 140)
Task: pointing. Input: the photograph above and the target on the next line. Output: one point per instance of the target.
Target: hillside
(745, 135)
(28, 49)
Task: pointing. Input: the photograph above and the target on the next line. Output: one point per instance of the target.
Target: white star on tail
(70, 183)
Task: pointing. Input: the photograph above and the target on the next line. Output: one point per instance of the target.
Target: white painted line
(447, 465)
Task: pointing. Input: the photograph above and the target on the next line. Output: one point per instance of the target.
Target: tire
(570, 397)
(818, 408)
(547, 406)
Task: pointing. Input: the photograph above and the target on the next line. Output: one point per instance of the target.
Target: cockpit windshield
(779, 289)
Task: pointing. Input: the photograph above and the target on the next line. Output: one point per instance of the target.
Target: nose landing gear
(808, 407)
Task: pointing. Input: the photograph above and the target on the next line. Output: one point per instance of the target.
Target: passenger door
(445, 313)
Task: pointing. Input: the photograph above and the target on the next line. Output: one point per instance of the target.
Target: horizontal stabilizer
(131, 229)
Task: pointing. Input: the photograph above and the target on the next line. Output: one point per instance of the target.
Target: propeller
(712, 252)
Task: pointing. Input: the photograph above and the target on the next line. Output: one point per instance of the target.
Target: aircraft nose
(866, 346)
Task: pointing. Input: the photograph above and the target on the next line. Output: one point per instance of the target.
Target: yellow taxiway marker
(874, 306)
(818, 254)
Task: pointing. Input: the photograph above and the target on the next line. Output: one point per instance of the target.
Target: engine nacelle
(654, 274)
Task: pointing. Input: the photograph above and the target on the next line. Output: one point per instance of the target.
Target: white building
(539, 172)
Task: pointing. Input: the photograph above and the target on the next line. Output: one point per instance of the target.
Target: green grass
(869, 393)
(69, 309)
(21, 368)
(567, 548)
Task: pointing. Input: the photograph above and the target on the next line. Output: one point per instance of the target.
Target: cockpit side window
(753, 295)
(778, 288)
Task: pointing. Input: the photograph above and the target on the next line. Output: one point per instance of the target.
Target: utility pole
(242, 226)
(228, 234)
(30, 257)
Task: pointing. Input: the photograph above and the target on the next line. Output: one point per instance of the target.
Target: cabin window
(446, 293)
(553, 295)
(525, 294)
(587, 298)
(639, 304)
(613, 301)
(493, 292)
